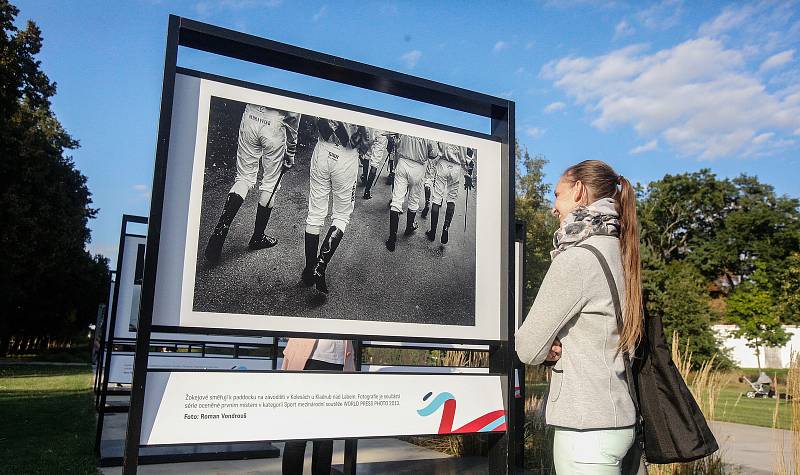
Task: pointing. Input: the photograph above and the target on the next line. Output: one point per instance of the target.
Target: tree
(723, 227)
(677, 293)
(787, 289)
(753, 308)
(532, 206)
(44, 201)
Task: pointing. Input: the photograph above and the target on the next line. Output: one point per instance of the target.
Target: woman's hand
(555, 351)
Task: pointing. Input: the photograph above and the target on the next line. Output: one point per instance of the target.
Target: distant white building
(771, 357)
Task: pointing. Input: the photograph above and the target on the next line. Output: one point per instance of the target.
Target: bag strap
(618, 311)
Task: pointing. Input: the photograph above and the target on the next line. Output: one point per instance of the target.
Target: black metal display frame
(112, 320)
(199, 36)
(101, 350)
(180, 453)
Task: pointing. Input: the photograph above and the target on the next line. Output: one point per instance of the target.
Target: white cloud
(142, 191)
(648, 147)
(731, 18)
(761, 138)
(529, 45)
(758, 28)
(534, 132)
(554, 107)
(662, 15)
(500, 46)
(623, 29)
(411, 58)
(697, 96)
(323, 10)
(777, 60)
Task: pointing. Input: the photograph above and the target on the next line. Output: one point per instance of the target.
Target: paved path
(754, 449)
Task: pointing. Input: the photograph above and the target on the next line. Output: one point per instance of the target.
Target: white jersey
(266, 136)
(377, 143)
(456, 154)
(333, 173)
(417, 149)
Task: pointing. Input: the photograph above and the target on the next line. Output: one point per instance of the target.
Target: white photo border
(182, 207)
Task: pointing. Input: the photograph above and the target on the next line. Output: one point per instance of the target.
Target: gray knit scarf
(599, 218)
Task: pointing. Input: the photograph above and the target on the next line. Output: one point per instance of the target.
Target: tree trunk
(758, 358)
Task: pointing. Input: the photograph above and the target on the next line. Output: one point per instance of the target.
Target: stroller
(761, 388)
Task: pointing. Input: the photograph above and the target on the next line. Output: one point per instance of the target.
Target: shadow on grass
(46, 429)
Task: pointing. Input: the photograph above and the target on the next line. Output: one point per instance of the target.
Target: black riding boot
(259, 239)
(329, 246)
(390, 178)
(427, 202)
(411, 224)
(312, 244)
(448, 216)
(217, 239)
(434, 222)
(364, 170)
(394, 221)
(370, 180)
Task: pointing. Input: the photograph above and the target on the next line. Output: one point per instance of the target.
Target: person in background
(310, 354)
(573, 320)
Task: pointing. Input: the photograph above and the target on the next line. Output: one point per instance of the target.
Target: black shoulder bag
(671, 425)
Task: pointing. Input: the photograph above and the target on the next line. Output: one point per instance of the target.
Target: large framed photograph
(292, 214)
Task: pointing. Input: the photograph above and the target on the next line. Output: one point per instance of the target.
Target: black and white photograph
(306, 216)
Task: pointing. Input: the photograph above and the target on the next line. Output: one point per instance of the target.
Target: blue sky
(652, 88)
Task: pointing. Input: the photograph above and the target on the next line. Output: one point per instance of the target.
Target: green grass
(47, 420)
(756, 412)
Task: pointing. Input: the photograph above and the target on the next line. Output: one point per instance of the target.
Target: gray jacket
(588, 388)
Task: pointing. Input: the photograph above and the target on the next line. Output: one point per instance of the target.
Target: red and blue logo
(494, 421)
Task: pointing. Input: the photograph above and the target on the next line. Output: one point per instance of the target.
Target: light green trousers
(591, 451)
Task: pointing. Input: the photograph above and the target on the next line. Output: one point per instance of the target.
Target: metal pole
(351, 445)
(112, 328)
(134, 431)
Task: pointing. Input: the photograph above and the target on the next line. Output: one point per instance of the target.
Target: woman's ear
(578, 192)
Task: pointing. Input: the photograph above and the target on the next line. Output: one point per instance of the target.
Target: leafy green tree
(533, 207)
(753, 308)
(44, 202)
(723, 227)
(678, 211)
(676, 292)
(787, 289)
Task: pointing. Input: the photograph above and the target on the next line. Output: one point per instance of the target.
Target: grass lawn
(731, 408)
(48, 420)
(756, 412)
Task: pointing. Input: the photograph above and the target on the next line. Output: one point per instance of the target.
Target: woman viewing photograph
(572, 324)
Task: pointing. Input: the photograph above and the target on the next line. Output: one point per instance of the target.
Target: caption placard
(191, 407)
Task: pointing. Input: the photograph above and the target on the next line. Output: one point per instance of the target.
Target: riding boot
(217, 239)
(448, 217)
(259, 239)
(394, 221)
(329, 246)
(311, 245)
(370, 180)
(364, 170)
(390, 178)
(427, 202)
(411, 224)
(434, 222)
